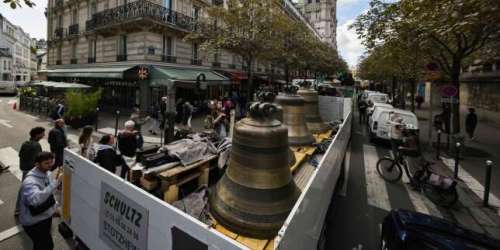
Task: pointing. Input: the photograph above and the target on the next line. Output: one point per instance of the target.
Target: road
(14, 130)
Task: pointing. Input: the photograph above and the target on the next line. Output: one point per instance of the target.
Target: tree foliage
(17, 3)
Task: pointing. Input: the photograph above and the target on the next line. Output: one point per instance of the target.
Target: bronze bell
(294, 118)
(257, 192)
(313, 120)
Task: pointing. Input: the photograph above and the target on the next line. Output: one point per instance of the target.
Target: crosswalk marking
(375, 185)
(474, 185)
(9, 157)
(10, 232)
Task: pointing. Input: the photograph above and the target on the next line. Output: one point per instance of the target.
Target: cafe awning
(61, 85)
(100, 72)
(170, 76)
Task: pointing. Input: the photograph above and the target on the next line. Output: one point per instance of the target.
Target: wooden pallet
(252, 243)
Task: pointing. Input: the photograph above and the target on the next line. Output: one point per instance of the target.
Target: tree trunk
(393, 89)
(455, 107)
(249, 88)
(412, 89)
(287, 77)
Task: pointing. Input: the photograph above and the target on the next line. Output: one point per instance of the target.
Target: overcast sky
(33, 21)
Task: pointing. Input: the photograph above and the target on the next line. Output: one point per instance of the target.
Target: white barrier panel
(331, 108)
(303, 226)
(108, 213)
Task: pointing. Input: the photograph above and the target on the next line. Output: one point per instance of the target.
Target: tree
(447, 31)
(17, 3)
(246, 28)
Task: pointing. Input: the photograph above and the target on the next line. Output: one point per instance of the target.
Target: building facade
(135, 49)
(322, 14)
(18, 43)
(5, 65)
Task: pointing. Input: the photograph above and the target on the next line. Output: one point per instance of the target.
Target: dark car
(403, 229)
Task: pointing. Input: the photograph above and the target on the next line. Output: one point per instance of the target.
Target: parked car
(8, 87)
(403, 229)
(378, 122)
(366, 93)
(378, 105)
(377, 97)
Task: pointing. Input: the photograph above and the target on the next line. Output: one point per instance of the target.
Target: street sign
(449, 91)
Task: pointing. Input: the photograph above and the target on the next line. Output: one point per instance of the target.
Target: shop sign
(123, 223)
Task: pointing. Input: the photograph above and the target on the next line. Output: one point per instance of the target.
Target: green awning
(61, 85)
(170, 76)
(101, 72)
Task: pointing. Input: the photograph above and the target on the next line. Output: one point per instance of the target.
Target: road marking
(10, 232)
(343, 191)
(474, 185)
(375, 185)
(10, 157)
(1, 202)
(6, 123)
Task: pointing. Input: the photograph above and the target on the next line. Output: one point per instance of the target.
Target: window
(59, 53)
(92, 51)
(60, 21)
(92, 9)
(5, 65)
(9, 64)
(167, 4)
(216, 56)
(167, 45)
(196, 12)
(106, 4)
(195, 51)
(74, 17)
(309, 1)
(122, 45)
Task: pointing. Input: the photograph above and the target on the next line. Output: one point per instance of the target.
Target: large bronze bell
(313, 120)
(294, 117)
(257, 192)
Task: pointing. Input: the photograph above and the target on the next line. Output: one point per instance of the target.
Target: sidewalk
(470, 211)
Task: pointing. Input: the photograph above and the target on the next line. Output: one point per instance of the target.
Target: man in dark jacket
(107, 157)
(58, 141)
(128, 140)
(27, 154)
(471, 123)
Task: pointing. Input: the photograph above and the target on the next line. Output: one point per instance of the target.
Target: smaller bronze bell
(311, 106)
(294, 117)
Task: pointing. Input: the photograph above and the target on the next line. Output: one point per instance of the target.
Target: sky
(33, 21)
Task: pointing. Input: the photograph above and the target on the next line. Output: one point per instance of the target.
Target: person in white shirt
(396, 135)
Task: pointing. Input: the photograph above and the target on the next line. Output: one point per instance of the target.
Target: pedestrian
(163, 111)
(419, 99)
(187, 110)
(108, 158)
(154, 113)
(38, 204)
(58, 141)
(220, 121)
(138, 122)
(396, 123)
(362, 106)
(86, 143)
(58, 112)
(128, 140)
(471, 123)
(27, 155)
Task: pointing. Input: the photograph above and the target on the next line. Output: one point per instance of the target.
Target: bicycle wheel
(441, 197)
(389, 169)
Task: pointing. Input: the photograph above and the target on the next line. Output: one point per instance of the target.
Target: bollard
(116, 122)
(457, 154)
(438, 147)
(96, 118)
(487, 183)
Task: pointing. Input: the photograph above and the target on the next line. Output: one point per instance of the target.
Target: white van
(378, 123)
(377, 97)
(378, 105)
(8, 87)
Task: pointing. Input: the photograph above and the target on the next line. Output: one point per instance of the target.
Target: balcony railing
(121, 58)
(141, 9)
(74, 61)
(73, 30)
(216, 64)
(91, 60)
(196, 62)
(58, 33)
(169, 59)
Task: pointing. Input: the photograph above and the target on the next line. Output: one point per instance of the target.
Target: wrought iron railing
(169, 59)
(73, 29)
(196, 62)
(121, 58)
(137, 10)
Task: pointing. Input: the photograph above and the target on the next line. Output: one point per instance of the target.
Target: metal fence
(37, 104)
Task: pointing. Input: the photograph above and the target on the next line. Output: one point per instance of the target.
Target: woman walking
(85, 141)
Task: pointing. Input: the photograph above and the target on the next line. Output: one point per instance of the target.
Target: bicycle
(439, 189)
